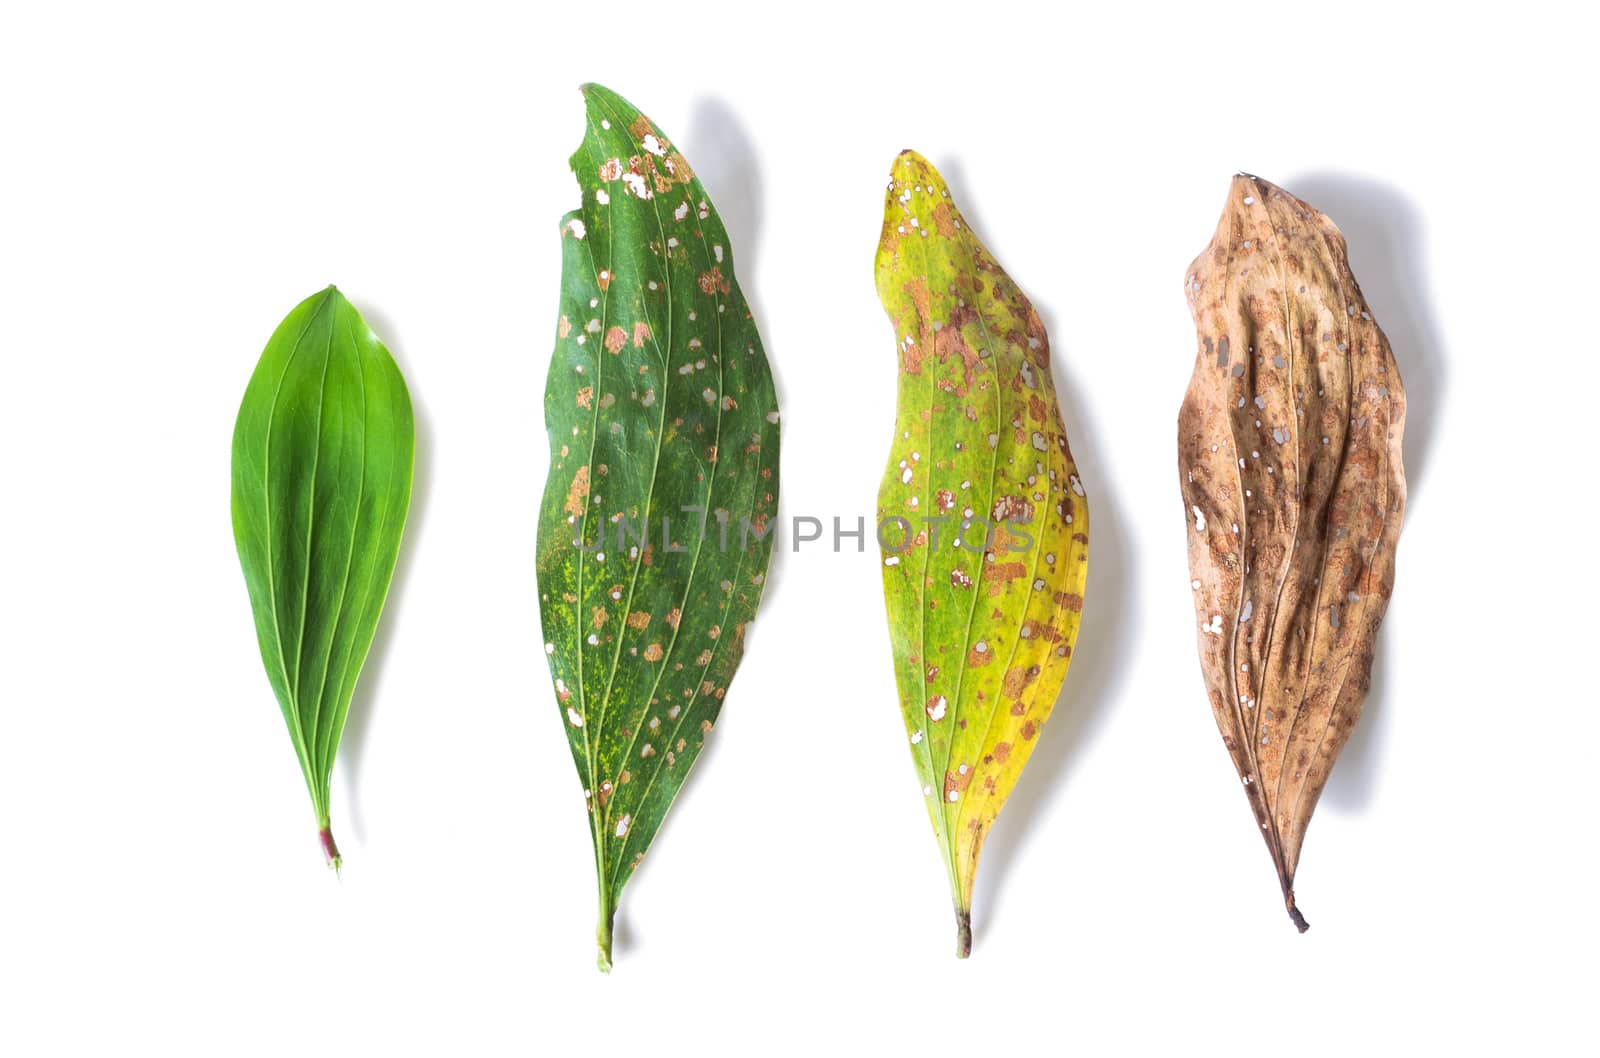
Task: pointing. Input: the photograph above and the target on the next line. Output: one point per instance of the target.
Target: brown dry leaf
(1289, 459)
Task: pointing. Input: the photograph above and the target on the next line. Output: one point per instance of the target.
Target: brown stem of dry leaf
(1289, 461)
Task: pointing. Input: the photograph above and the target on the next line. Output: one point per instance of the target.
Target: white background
(173, 181)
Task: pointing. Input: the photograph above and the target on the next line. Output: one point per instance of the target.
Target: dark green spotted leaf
(655, 530)
(322, 454)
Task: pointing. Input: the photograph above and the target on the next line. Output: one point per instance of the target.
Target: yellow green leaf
(983, 525)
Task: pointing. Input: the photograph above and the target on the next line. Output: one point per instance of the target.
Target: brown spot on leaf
(1012, 509)
(1040, 630)
(951, 342)
(713, 282)
(1018, 679)
(1000, 574)
(956, 781)
(578, 492)
(679, 168)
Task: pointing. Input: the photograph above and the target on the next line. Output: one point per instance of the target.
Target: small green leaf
(322, 453)
(655, 529)
(984, 573)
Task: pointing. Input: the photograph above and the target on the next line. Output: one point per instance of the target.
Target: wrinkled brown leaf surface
(1289, 460)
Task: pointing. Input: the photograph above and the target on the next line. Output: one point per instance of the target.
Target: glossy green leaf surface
(322, 458)
(984, 525)
(655, 528)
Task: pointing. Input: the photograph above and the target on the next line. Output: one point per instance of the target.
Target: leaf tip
(329, 297)
(912, 170)
(593, 91)
(909, 160)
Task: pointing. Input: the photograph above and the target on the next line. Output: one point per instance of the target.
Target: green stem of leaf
(602, 934)
(963, 933)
